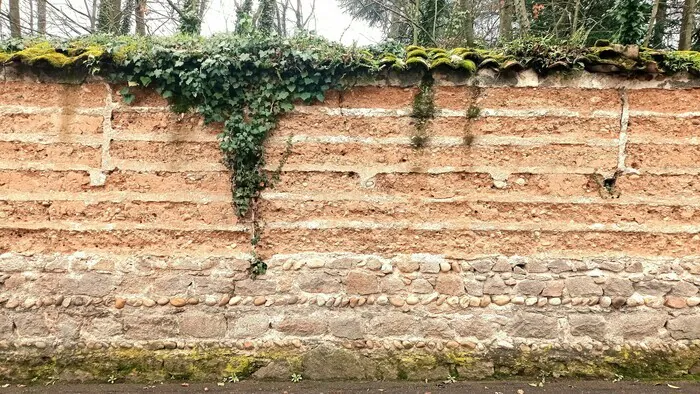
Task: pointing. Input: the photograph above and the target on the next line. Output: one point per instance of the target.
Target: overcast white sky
(328, 19)
(329, 22)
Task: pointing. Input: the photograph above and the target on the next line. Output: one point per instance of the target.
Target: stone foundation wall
(556, 233)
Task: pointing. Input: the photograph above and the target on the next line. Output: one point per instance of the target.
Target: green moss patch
(329, 363)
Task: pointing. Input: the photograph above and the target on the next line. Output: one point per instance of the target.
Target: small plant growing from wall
(473, 114)
(423, 112)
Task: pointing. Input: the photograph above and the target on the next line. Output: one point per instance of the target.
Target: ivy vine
(245, 81)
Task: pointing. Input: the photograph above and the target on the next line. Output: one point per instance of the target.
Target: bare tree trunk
(116, 16)
(523, 20)
(126, 15)
(466, 8)
(93, 16)
(109, 18)
(41, 17)
(15, 25)
(202, 8)
(657, 40)
(687, 26)
(394, 26)
(574, 23)
(652, 22)
(30, 20)
(415, 21)
(505, 27)
(140, 17)
(190, 21)
(298, 14)
(280, 24)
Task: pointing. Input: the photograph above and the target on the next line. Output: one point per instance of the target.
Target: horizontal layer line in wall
(44, 166)
(66, 225)
(187, 215)
(426, 303)
(510, 197)
(655, 114)
(479, 140)
(408, 168)
(445, 225)
(465, 225)
(362, 112)
(404, 168)
(489, 112)
(651, 140)
(39, 138)
(67, 110)
(91, 197)
(140, 166)
(82, 261)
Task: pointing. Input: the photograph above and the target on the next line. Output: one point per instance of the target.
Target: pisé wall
(547, 226)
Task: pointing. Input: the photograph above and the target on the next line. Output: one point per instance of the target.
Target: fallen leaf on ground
(672, 386)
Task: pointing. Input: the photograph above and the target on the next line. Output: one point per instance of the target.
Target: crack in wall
(607, 183)
(624, 125)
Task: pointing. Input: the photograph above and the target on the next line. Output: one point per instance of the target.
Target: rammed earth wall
(555, 233)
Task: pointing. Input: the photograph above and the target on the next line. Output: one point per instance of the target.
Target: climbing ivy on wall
(245, 81)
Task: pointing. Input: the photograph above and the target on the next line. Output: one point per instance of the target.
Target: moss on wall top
(543, 56)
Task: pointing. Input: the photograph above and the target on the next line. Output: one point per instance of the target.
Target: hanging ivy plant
(245, 81)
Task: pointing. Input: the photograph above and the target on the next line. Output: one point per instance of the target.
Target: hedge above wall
(540, 55)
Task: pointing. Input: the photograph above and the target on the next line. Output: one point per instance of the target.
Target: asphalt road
(562, 386)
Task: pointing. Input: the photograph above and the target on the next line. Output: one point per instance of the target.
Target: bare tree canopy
(655, 23)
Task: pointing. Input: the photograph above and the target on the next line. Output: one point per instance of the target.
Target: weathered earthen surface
(507, 245)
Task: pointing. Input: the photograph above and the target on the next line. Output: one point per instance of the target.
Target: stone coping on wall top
(526, 78)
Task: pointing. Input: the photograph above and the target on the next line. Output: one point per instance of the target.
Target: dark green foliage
(108, 20)
(244, 17)
(473, 112)
(129, 9)
(555, 20)
(632, 18)
(266, 23)
(433, 15)
(190, 20)
(245, 81)
(659, 32)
